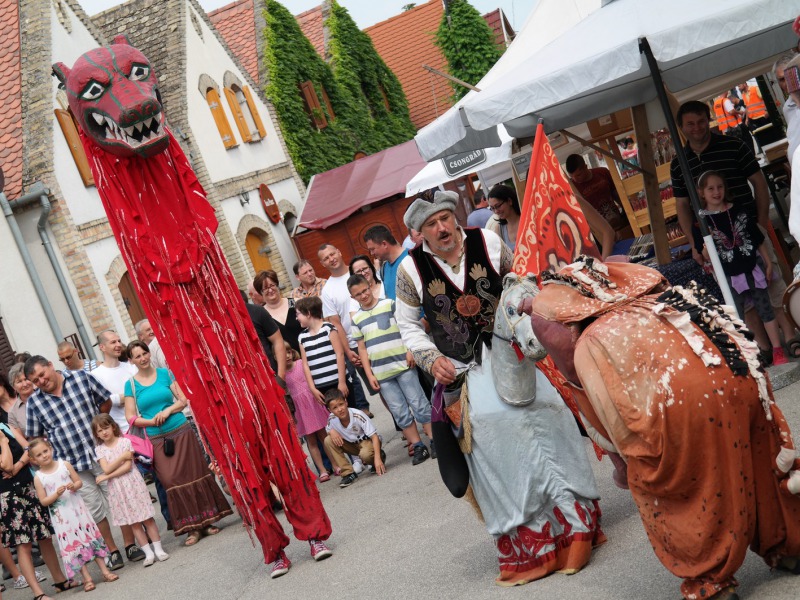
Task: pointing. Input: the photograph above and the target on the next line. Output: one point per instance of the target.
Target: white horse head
(512, 328)
(515, 348)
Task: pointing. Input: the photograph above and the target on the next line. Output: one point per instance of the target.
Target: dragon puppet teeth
(145, 130)
(99, 118)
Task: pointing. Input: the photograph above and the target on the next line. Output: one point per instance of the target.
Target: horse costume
(165, 227)
(671, 380)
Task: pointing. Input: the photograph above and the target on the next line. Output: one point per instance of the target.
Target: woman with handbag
(154, 400)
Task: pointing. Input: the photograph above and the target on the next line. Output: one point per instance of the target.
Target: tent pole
(655, 73)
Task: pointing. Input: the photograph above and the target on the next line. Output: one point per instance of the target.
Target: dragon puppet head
(113, 94)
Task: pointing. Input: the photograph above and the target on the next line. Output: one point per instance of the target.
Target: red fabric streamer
(165, 227)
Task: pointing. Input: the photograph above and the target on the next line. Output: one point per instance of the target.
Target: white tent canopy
(594, 67)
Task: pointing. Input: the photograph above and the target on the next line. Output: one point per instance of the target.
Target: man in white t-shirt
(113, 374)
(336, 309)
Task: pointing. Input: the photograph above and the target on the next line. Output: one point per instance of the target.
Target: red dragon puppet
(165, 227)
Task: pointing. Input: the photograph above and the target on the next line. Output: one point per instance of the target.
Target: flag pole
(655, 73)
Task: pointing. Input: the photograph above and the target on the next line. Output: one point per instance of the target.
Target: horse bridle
(529, 286)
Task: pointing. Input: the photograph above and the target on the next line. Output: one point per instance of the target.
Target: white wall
(207, 55)
(101, 255)
(23, 317)
(83, 203)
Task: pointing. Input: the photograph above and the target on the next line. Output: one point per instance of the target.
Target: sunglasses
(64, 359)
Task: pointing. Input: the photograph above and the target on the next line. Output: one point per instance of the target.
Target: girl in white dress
(79, 540)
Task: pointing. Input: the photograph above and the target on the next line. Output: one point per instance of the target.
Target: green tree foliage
(467, 43)
(361, 121)
(359, 69)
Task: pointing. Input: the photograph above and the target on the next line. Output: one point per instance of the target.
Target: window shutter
(233, 102)
(6, 351)
(218, 112)
(312, 105)
(254, 112)
(70, 130)
(328, 104)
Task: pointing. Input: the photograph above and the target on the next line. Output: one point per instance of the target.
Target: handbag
(142, 446)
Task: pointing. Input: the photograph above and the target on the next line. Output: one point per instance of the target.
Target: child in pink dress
(57, 484)
(127, 492)
(311, 416)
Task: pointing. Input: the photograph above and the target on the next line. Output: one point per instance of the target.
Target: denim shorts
(405, 396)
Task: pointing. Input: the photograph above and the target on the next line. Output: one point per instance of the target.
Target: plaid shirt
(66, 420)
(316, 290)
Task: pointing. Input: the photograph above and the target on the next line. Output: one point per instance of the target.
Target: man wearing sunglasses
(71, 358)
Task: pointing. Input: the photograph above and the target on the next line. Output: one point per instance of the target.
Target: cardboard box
(618, 122)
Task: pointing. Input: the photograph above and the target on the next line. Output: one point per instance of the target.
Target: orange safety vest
(756, 109)
(724, 120)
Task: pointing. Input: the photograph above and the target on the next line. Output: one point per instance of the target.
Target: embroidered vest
(460, 320)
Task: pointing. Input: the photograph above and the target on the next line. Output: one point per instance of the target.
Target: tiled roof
(494, 20)
(236, 23)
(10, 98)
(311, 25)
(405, 43)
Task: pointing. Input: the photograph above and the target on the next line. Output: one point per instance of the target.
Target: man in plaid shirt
(62, 409)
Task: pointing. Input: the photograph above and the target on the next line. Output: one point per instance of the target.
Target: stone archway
(117, 272)
(257, 229)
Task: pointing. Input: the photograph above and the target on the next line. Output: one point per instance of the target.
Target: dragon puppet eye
(511, 311)
(139, 72)
(93, 91)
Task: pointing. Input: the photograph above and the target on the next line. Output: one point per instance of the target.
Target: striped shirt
(67, 419)
(320, 356)
(731, 158)
(378, 328)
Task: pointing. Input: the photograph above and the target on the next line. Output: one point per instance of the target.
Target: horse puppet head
(113, 94)
(515, 348)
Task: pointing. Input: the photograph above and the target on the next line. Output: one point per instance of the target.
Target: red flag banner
(553, 231)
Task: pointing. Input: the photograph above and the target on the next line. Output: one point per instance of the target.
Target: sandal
(110, 577)
(89, 586)
(192, 538)
(324, 477)
(211, 530)
(40, 596)
(67, 584)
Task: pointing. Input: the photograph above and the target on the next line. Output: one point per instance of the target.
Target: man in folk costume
(527, 465)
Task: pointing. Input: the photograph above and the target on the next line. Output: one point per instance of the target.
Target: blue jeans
(404, 396)
(358, 399)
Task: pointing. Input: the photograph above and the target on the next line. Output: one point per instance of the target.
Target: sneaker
(319, 551)
(162, 556)
(20, 583)
(280, 566)
(134, 553)
(421, 454)
(149, 560)
(358, 465)
(433, 450)
(778, 357)
(114, 561)
(348, 480)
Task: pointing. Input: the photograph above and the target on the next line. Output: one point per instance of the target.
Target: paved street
(402, 536)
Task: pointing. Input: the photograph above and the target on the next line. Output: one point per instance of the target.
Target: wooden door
(130, 299)
(258, 259)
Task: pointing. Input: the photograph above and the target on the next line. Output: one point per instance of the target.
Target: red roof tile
(406, 42)
(236, 23)
(11, 97)
(312, 27)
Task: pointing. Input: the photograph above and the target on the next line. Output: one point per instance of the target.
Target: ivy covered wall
(353, 83)
(467, 43)
(359, 68)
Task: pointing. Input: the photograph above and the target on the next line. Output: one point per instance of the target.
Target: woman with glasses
(362, 265)
(505, 221)
(280, 309)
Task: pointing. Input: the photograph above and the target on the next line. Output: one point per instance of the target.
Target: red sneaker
(319, 551)
(778, 357)
(280, 566)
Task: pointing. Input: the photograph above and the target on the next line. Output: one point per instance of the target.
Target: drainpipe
(31, 268)
(41, 193)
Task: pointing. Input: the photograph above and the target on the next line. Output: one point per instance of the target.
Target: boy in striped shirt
(389, 365)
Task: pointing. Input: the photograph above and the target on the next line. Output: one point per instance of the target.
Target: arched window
(243, 108)
(210, 90)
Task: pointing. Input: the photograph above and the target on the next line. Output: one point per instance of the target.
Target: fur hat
(421, 209)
